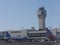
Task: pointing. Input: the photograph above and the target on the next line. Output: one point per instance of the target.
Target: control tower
(41, 13)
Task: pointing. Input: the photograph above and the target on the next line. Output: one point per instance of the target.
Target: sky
(18, 14)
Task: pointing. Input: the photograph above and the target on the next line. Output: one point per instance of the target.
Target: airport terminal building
(42, 34)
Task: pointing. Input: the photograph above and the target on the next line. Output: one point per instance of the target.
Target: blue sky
(15, 14)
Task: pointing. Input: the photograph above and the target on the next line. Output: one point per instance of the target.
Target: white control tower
(41, 13)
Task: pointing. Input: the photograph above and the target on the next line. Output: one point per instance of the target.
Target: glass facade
(37, 35)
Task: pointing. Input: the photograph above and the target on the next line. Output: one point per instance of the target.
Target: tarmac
(29, 43)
